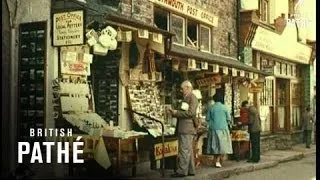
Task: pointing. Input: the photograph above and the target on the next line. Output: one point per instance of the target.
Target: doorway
(282, 103)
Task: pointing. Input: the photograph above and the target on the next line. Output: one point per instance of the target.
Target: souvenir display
(31, 78)
(74, 108)
(236, 100)
(105, 87)
(228, 96)
(145, 99)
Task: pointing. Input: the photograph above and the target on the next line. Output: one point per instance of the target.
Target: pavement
(269, 159)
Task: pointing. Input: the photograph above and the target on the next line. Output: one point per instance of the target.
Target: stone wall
(297, 137)
(280, 141)
(267, 143)
(142, 11)
(226, 12)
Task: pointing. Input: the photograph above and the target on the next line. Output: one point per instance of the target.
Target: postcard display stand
(31, 78)
(73, 92)
(144, 97)
(106, 85)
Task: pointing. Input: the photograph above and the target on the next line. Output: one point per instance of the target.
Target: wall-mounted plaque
(68, 28)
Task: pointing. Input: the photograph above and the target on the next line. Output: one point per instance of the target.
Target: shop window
(294, 71)
(289, 70)
(278, 68)
(205, 38)
(296, 105)
(298, 71)
(282, 94)
(264, 10)
(266, 97)
(161, 19)
(192, 33)
(177, 26)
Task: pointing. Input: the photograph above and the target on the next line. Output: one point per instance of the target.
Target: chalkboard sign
(31, 87)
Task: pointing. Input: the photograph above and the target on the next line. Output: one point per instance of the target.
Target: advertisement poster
(158, 89)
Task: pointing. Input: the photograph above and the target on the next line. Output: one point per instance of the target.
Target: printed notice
(68, 28)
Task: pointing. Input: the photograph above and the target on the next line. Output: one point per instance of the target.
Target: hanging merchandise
(157, 38)
(236, 99)
(106, 41)
(148, 61)
(143, 33)
(108, 38)
(98, 49)
(228, 96)
(92, 37)
(124, 36)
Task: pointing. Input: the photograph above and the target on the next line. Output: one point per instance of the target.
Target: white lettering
(61, 151)
(36, 153)
(62, 132)
(22, 152)
(69, 132)
(76, 151)
(39, 134)
(48, 148)
(50, 131)
(31, 132)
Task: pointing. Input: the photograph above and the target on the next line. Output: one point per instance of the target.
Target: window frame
(198, 33)
(207, 27)
(183, 29)
(266, 12)
(168, 17)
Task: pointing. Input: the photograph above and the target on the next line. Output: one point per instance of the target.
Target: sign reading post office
(68, 28)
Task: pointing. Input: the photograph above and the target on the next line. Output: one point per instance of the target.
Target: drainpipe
(12, 120)
(238, 6)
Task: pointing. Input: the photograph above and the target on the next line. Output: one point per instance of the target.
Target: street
(304, 169)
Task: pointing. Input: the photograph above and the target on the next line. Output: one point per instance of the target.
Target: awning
(120, 20)
(213, 59)
(106, 15)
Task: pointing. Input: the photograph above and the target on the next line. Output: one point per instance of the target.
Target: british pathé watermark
(300, 20)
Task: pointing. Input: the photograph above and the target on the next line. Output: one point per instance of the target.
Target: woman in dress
(219, 139)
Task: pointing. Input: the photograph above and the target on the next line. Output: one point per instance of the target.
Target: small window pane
(205, 38)
(161, 19)
(192, 34)
(177, 27)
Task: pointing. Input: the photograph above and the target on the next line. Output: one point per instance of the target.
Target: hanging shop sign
(68, 28)
(270, 42)
(209, 81)
(170, 149)
(187, 9)
(255, 89)
(267, 65)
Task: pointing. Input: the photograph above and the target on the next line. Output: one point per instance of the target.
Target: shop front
(212, 74)
(111, 90)
(285, 93)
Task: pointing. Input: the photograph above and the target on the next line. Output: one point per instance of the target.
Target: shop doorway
(282, 104)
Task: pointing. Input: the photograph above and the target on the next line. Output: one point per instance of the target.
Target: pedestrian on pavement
(219, 139)
(307, 125)
(244, 113)
(254, 127)
(186, 132)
